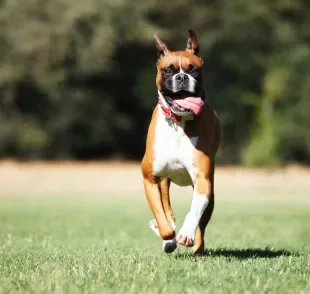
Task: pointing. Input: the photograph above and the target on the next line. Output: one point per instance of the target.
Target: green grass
(103, 245)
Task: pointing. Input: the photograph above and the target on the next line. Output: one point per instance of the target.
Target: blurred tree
(77, 79)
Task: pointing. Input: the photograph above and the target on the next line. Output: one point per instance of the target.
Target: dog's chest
(174, 152)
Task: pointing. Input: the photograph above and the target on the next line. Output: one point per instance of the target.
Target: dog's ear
(162, 48)
(192, 43)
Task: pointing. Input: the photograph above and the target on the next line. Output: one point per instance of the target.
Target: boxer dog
(183, 138)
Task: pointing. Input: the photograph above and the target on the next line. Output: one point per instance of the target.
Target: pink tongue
(194, 104)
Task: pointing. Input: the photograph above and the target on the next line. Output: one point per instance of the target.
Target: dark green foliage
(77, 79)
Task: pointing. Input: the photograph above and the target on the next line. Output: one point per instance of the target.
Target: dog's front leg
(206, 216)
(164, 187)
(202, 196)
(165, 229)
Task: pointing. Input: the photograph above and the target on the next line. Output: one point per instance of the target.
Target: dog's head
(179, 73)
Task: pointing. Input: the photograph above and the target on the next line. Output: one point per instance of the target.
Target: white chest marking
(173, 152)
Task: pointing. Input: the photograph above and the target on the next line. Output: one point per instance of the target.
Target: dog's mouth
(177, 109)
(183, 103)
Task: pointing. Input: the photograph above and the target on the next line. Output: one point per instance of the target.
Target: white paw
(186, 235)
(169, 245)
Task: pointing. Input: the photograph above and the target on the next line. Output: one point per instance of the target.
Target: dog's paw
(154, 227)
(169, 245)
(187, 241)
(199, 250)
(186, 236)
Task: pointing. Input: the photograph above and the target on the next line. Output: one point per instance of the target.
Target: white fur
(199, 204)
(163, 101)
(180, 65)
(168, 245)
(191, 84)
(174, 84)
(173, 152)
(174, 159)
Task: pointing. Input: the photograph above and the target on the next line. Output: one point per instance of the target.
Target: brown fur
(151, 188)
(172, 58)
(206, 126)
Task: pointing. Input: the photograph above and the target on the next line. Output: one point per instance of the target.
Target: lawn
(94, 244)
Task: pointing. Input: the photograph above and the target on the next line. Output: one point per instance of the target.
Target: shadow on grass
(247, 253)
(252, 253)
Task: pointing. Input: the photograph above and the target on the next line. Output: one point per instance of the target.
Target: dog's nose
(181, 78)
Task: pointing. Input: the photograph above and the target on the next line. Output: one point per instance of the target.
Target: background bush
(77, 78)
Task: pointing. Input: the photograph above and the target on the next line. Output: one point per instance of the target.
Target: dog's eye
(167, 71)
(194, 72)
